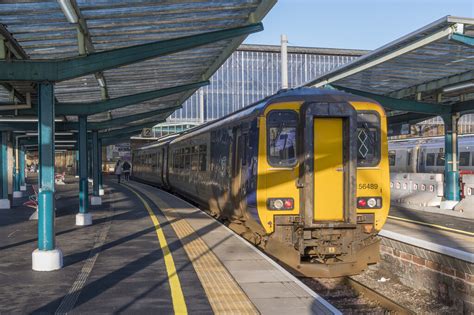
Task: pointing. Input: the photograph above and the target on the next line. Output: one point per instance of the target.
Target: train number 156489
(368, 186)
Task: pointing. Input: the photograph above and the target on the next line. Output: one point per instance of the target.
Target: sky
(353, 24)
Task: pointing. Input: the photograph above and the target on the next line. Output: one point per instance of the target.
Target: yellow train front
(303, 174)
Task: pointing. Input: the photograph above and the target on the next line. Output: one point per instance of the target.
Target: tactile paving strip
(223, 292)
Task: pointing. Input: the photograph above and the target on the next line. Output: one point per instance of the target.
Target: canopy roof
(192, 39)
(429, 72)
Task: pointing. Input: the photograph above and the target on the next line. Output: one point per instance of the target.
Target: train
(426, 155)
(303, 174)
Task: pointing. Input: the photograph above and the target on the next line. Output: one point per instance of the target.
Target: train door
(237, 161)
(161, 166)
(165, 166)
(330, 164)
(328, 169)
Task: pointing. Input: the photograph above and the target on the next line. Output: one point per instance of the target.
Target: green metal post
(89, 160)
(95, 162)
(451, 169)
(46, 167)
(3, 166)
(77, 162)
(22, 166)
(99, 158)
(83, 183)
(16, 166)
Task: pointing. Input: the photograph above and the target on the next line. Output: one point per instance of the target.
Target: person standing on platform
(118, 170)
(126, 170)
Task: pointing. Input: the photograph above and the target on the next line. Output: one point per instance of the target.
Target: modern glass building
(250, 74)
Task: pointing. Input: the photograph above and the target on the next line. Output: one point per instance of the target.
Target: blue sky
(362, 24)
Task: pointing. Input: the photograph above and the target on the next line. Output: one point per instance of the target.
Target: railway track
(353, 297)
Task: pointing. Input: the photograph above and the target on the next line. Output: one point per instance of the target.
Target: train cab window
(430, 159)
(440, 159)
(391, 157)
(464, 158)
(281, 138)
(368, 139)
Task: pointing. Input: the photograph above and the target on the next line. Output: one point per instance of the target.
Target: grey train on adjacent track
(426, 155)
(303, 174)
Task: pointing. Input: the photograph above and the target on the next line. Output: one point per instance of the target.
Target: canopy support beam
(65, 69)
(401, 104)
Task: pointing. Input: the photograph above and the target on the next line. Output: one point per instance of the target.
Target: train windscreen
(368, 139)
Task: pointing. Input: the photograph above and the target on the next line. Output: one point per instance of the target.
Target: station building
(251, 73)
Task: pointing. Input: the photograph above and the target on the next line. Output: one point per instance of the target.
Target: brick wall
(450, 280)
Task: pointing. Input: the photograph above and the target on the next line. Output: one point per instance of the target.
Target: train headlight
(369, 202)
(280, 204)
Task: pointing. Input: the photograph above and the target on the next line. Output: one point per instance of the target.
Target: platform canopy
(126, 64)
(426, 73)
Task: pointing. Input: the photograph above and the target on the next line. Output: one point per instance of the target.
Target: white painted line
(316, 296)
(441, 249)
(69, 300)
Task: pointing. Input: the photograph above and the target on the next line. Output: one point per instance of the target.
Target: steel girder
(401, 104)
(69, 68)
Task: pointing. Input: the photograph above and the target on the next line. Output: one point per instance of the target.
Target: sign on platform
(147, 133)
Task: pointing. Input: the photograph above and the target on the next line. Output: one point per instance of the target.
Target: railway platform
(146, 251)
(431, 252)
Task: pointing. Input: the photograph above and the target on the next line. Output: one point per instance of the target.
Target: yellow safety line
(224, 294)
(179, 305)
(432, 225)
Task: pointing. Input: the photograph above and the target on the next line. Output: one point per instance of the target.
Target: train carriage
(426, 155)
(303, 174)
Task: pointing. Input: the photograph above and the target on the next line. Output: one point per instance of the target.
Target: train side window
(409, 159)
(187, 158)
(464, 158)
(430, 159)
(202, 158)
(391, 157)
(440, 159)
(281, 138)
(368, 139)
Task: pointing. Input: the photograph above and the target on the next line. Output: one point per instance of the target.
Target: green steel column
(83, 183)
(22, 166)
(46, 167)
(89, 161)
(15, 173)
(77, 162)
(451, 170)
(101, 179)
(95, 162)
(3, 166)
